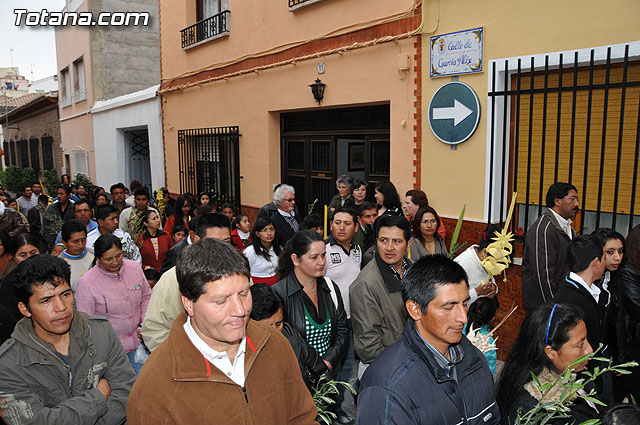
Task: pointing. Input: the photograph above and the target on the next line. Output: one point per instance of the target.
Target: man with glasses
(286, 220)
(544, 262)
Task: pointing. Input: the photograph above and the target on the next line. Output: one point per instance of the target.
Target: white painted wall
(110, 119)
(44, 85)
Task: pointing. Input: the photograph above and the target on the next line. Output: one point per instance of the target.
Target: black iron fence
(206, 28)
(209, 161)
(567, 118)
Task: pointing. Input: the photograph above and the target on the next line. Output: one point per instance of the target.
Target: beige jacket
(164, 307)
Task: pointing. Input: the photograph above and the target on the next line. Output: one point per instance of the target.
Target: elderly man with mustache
(544, 262)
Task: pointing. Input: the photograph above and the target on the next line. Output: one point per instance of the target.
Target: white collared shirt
(593, 289)
(286, 214)
(220, 360)
(606, 278)
(564, 223)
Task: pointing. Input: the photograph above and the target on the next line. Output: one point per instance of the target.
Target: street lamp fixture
(317, 89)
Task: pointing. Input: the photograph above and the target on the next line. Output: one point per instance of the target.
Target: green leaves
(456, 233)
(51, 180)
(15, 179)
(573, 385)
(83, 180)
(322, 396)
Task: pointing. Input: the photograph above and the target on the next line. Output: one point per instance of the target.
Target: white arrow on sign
(457, 113)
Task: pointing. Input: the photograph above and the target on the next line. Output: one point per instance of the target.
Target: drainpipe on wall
(434, 6)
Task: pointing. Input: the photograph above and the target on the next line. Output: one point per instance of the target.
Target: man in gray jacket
(377, 310)
(60, 365)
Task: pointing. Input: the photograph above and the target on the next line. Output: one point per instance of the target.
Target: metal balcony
(299, 4)
(212, 27)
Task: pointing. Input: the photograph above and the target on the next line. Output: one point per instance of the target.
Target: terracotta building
(239, 114)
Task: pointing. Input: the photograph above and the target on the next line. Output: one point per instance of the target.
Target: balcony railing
(299, 4)
(212, 27)
(65, 100)
(79, 95)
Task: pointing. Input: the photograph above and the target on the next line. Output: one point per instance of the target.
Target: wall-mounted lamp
(317, 89)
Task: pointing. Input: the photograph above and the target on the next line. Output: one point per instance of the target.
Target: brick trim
(394, 28)
(417, 114)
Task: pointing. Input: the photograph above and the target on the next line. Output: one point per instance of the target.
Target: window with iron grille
(79, 89)
(80, 161)
(65, 87)
(209, 161)
(47, 152)
(12, 155)
(7, 154)
(570, 118)
(23, 153)
(34, 153)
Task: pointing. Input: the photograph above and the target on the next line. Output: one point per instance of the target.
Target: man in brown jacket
(11, 222)
(217, 366)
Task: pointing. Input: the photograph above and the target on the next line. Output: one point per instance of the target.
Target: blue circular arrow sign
(454, 112)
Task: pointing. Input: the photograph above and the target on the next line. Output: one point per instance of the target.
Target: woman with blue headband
(550, 339)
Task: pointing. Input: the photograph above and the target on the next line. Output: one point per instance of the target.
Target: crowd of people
(126, 307)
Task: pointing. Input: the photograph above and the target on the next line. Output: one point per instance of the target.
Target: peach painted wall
(254, 103)
(79, 132)
(71, 44)
(454, 177)
(260, 25)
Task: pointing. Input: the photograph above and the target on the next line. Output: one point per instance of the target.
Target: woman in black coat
(267, 309)
(550, 339)
(312, 305)
(629, 314)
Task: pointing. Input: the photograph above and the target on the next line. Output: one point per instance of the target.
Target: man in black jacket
(57, 214)
(285, 219)
(586, 265)
(433, 375)
(544, 261)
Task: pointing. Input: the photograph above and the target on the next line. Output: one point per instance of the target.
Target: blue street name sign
(454, 112)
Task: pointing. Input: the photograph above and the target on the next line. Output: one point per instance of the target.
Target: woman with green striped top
(312, 304)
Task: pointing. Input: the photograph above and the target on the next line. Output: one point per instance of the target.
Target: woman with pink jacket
(116, 288)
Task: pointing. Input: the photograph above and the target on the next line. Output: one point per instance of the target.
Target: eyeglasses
(290, 199)
(267, 230)
(573, 198)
